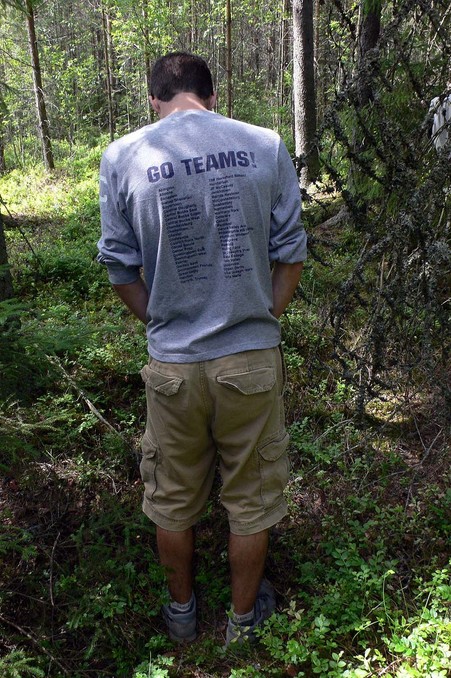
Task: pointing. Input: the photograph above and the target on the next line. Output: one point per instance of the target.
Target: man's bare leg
(247, 556)
(176, 551)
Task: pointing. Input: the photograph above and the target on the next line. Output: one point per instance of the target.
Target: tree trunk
(3, 112)
(2, 146)
(284, 52)
(229, 58)
(147, 60)
(369, 31)
(368, 36)
(6, 283)
(43, 120)
(108, 72)
(304, 89)
(319, 61)
(193, 37)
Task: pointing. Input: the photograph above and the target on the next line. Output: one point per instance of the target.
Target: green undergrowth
(360, 563)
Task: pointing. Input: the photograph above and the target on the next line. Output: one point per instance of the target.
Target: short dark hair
(180, 72)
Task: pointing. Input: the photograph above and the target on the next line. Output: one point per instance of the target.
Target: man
(205, 206)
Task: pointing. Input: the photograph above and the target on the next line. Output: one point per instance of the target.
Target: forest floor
(360, 564)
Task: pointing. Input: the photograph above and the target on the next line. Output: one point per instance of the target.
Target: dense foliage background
(361, 563)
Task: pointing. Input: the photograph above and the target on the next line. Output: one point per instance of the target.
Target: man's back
(209, 202)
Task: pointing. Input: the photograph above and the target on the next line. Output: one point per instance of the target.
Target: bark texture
(304, 89)
(43, 121)
(6, 283)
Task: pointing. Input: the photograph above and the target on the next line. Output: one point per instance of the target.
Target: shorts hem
(269, 519)
(169, 523)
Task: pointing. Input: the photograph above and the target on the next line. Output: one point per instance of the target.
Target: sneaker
(265, 605)
(181, 625)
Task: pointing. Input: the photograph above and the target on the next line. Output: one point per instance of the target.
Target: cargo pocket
(148, 466)
(249, 383)
(274, 469)
(165, 384)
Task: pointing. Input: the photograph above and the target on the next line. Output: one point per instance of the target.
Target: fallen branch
(36, 642)
(335, 220)
(52, 557)
(54, 360)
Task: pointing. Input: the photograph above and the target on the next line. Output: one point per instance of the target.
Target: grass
(360, 563)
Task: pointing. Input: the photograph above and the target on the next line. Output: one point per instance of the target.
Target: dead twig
(22, 233)
(35, 642)
(54, 360)
(52, 556)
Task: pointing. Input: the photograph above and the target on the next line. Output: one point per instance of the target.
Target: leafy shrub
(115, 587)
(312, 639)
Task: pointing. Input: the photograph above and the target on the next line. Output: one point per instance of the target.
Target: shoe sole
(184, 639)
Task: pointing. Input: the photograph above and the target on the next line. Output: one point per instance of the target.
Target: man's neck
(184, 101)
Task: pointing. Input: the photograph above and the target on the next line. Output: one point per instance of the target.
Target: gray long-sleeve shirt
(203, 204)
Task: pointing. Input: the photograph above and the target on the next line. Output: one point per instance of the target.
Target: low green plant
(115, 588)
(158, 667)
(249, 672)
(323, 449)
(217, 587)
(16, 664)
(15, 540)
(15, 368)
(423, 641)
(409, 643)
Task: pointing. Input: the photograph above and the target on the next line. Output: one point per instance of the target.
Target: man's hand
(136, 297)
(285, 279)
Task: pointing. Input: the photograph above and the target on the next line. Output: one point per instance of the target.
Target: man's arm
(136, 297)
(285, 279)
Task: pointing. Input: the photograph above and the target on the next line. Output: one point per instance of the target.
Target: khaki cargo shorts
(229, 410)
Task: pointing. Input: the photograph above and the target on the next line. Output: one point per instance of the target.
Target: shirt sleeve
(118, 247)
(287, 240)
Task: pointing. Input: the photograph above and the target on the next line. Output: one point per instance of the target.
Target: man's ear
(155, 104)
(211, 101)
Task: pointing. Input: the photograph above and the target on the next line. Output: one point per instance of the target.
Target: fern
(16, 664)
